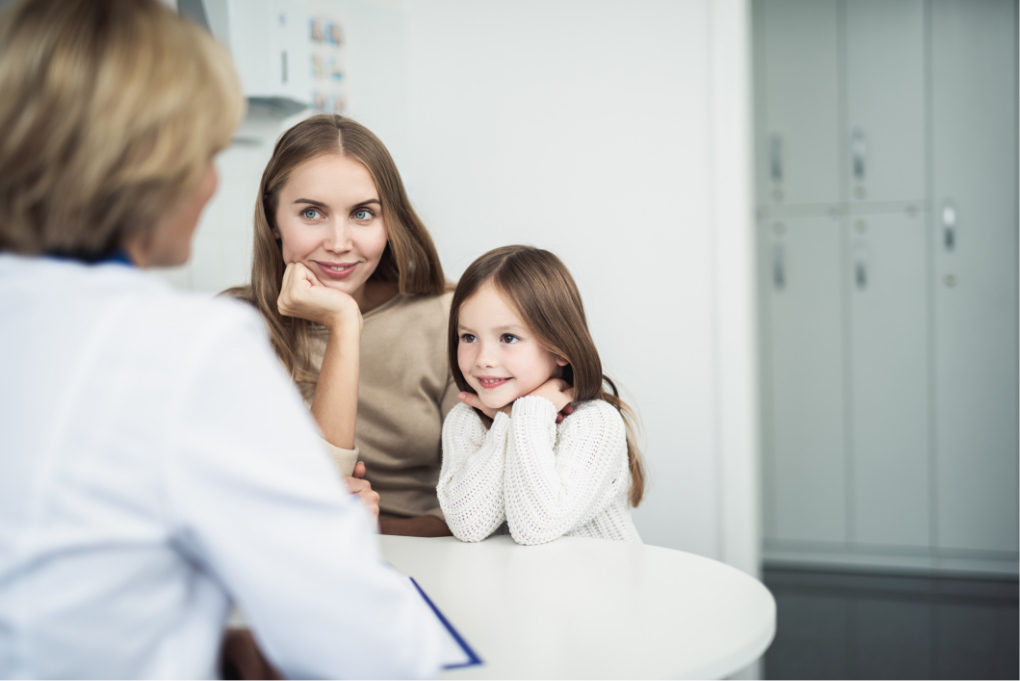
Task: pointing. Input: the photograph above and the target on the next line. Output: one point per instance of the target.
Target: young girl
(538, 441)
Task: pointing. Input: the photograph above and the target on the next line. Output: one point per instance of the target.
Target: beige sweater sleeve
(343, 459)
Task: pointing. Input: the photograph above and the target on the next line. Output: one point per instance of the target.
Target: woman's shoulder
(420, 311)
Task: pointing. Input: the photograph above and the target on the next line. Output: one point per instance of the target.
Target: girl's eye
(509, 338)
(309, 213)
(363, 214)
(467, 338)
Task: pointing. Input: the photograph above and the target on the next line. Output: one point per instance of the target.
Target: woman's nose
(339, 238)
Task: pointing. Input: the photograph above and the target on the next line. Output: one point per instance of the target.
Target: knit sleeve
(558, 481)
(470, 486)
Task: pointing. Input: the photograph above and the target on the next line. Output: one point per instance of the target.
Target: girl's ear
(562, 361)
(275, 231)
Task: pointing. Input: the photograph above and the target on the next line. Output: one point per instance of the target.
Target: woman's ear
(562, 361)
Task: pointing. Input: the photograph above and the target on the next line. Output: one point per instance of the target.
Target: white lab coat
(156, 465)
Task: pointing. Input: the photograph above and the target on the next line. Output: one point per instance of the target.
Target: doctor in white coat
(156, 464)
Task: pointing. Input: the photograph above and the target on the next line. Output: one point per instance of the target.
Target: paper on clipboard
(456, 651)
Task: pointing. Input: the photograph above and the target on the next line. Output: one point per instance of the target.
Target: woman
(156, 465)
(338, 246)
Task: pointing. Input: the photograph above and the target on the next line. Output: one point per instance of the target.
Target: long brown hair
(410, 258)
(539, 286)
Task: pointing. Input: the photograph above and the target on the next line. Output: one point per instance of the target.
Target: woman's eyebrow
(311, 202)
(365, 203)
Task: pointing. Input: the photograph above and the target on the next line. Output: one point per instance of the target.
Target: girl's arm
(554, 484)
(470, 486)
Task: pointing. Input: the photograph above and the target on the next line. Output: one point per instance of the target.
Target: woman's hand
(363, 488)
(304, 296)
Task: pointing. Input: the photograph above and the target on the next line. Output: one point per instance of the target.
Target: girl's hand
(363, 488)
(472, 400)
(304, 296)
(557, 391)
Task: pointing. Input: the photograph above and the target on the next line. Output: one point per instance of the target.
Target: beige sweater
(406, 390)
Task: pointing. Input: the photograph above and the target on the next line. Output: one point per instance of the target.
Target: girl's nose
(485, 357)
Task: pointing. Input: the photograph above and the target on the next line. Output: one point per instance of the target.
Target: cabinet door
(889, 437)
(974, 175)
(798, 152)
(885, 133)
(804, 336)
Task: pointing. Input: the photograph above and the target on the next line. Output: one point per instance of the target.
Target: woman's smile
(335, 270)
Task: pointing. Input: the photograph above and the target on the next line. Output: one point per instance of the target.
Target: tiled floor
(866, 626)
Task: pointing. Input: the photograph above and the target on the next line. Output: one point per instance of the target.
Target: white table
(590, 608)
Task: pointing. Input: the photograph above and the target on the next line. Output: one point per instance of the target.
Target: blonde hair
(539, 286)
(410, 259)
(111, 112)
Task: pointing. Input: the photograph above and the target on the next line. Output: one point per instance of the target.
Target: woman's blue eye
(309, 213)
(509, 338)
(363, 214)
(467, 338)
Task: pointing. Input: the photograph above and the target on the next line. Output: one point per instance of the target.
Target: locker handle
(949, 224)
(861, 265)
(778, 267)
(776, 158)
(858, 150)
(283, 66)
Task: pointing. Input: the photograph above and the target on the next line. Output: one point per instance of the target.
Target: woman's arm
(335, 406)
(555, 484)
(470, 486)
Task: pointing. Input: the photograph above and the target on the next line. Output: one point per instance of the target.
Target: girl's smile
(500, 357)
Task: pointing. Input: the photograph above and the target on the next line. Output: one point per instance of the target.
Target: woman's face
(169, 244)
(329, 218)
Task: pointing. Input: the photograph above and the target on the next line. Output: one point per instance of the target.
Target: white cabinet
(887, 288)
(268, 40)
(804, 340)
(885, 111)
(887, 143)
(974, 233)
(797, 149)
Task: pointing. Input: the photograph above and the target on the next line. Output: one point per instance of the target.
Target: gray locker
(798, 53)
(974, 233)
(805, 345)
(890, 302)
(888, 374)
(885, 132)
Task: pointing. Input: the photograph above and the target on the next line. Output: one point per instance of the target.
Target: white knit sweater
(545, 480)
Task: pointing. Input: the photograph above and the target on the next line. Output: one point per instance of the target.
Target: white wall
(607, 132)
(616, 134)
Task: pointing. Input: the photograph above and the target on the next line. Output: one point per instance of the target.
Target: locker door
(974, 168)
(797, 154)
(804, 338)
(885, 134)
(888, 284)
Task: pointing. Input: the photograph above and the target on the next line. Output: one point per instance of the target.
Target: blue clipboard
(467, 656)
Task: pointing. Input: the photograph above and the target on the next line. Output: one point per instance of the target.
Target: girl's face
(329, 218)
(497, 353)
